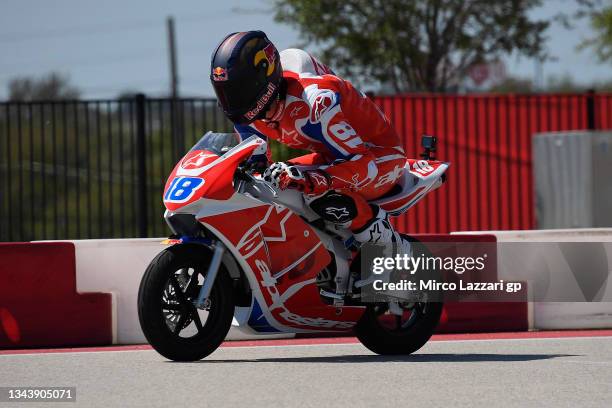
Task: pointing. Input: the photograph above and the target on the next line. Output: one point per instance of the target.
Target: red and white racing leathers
(351, 139)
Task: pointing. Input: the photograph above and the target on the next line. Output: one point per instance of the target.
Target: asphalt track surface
(569, 369)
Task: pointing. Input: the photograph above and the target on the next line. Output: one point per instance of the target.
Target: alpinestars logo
(338, 213)
(390, 177)
(375, 233)
(322, 103)
(318, 178)
(197, 161)
(295, 111)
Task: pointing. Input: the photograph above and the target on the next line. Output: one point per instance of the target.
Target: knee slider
(335, 207)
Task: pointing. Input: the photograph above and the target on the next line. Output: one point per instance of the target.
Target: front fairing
(206, 171)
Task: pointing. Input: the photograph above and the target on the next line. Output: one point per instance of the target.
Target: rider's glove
(286, 176)
(272, 173)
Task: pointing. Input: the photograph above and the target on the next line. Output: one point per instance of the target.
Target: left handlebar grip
(243, 173)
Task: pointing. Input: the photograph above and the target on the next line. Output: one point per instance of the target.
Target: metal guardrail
(93, 169)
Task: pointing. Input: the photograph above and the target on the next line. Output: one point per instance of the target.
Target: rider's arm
(354, 164)
(261, 154)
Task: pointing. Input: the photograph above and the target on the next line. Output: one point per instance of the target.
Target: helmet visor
(238, 97)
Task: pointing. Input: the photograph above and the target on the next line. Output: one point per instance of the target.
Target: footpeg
(364, 282)
(338, 299)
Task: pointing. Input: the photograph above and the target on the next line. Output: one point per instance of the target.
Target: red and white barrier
(39, 303)
(85, 292)
(116, 266)
(469, 317)
(565, 315)
(91, 288)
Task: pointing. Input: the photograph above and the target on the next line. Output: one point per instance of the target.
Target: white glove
(272, 174)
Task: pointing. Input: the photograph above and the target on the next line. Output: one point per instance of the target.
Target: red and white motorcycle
(249, 255)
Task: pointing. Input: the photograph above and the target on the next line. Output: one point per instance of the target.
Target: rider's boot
(379, 231)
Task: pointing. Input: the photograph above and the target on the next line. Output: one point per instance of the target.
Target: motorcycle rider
(295, 99)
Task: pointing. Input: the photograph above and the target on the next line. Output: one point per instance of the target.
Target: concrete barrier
(117, 266)
(469, 317)
(482, 317)
(565, 315)
(39, 304)
(113, 269)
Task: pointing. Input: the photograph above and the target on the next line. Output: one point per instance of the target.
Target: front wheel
(169, 320)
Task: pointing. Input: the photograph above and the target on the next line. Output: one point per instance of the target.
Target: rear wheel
(407, 328)
(386, 333)
(171, 323)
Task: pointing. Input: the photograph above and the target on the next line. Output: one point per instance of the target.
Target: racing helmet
(246, 73)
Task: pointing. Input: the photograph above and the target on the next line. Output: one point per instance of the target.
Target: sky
(110, 46)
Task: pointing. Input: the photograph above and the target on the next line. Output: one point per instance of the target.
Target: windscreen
(217, 143)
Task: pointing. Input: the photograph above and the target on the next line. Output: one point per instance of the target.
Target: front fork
(189, 229)
(211, 275)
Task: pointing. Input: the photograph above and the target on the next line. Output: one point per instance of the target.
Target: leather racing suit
(350, 139)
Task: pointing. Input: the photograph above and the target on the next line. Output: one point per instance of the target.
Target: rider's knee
(335, 207)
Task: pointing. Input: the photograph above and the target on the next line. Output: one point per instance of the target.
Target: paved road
(488, 373)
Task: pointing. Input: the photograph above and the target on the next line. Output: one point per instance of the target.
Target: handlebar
(243, 173)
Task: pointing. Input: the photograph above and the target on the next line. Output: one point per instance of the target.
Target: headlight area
(183, 224)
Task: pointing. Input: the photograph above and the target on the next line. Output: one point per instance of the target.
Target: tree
(50, 87)
(513, 84)
(414, 45)
(601, 23)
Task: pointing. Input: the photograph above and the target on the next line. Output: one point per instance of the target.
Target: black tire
(158, 285)
(381, 339)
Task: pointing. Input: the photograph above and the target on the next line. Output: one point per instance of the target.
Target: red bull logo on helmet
(268, 54)
(219, 74)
